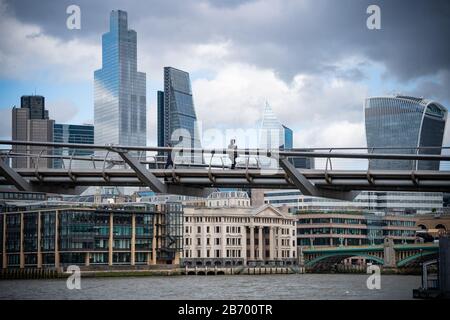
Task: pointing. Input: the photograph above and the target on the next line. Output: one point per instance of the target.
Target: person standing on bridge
(232, 152)
(169, 161)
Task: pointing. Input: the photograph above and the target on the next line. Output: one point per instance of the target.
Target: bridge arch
(342, 256)
(417, 256)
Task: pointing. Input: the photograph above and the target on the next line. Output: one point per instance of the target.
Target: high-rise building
(31, 122)
(119, 89)
(177, 120)
(272, 133)
(160, 123)
(404, 122)
(73, 133)
(288, 138)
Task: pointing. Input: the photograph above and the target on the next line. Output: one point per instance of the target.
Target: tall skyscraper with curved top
(177, 120)
(119, 89)
(404, 122)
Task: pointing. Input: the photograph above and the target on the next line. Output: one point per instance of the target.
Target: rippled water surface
(302, 286)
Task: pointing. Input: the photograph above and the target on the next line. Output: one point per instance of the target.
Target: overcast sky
(314, 61)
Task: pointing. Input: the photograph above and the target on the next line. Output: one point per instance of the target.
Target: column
(176, 259)
(22, 255)
(5, 260)
(87, 258)
(244, 244)
(39, 253)
(260, 243)
(279, 250)
(111, 239)
(155, 232)
(57, 239)
(252, 243)
(203, 240)
(223, 240)
(133, 239)
(271, 243)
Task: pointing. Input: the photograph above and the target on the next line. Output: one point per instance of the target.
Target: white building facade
(228, 232)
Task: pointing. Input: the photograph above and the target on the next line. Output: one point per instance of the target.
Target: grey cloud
(288, 36)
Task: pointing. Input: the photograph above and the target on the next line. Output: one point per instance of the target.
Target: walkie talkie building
(404, 122)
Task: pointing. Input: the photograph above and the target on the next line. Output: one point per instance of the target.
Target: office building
(177, 120)
(288, 138)
(119, 89)
(353, 228)
(272, 133)
(404, 122)
(229, 232)
(382, 201)
(51, 235)
(31, 122)
(73, 133)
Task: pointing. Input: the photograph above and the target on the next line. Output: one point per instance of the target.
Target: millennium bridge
(128, 166)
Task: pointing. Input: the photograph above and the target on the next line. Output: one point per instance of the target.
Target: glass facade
(353, 228)
(177, 120)
(405, 122)
(84, 235)
(72, 133)
(160, 104)
(272, 133)
(288, 138)
(119, 89)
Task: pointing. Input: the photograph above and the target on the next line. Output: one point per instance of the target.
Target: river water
(293, 286)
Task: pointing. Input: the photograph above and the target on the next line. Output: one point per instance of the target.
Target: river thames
(288, 287)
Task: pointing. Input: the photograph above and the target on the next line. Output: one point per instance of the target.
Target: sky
(313, 61)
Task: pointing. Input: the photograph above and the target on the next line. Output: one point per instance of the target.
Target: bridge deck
(255, 178)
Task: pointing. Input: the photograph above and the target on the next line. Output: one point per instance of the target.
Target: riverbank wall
(173, 270)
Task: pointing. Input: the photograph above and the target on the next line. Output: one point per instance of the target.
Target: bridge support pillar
(389, 253)
(444, 265)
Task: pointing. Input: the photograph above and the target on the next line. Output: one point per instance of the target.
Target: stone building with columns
(227, 231)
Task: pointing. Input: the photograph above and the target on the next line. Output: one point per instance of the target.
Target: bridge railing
(47, 154)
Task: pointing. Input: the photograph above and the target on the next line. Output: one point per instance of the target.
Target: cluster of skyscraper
(120, 115)
(399, 124)
(394, 124)
(31, 122)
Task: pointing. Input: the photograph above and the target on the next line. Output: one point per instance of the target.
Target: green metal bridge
(387, 255)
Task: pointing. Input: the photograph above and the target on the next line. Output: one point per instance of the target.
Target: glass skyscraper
(73, 133)
(288, 138)
(119, 89)
(406, 122)
(177, 120)
(272, 133)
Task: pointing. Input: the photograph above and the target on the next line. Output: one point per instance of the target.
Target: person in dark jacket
(169, 161)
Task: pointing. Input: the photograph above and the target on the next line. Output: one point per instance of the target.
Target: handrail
(268, 152)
